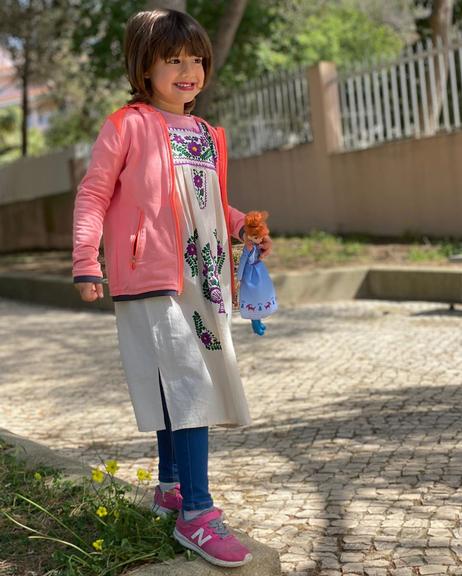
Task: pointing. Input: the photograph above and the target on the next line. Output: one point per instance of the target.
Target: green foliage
(319, 248)
(345, 36)
(82, 121)
(51, 525)
(284, 34)
(10, 122)
(100, 34)
(10, 136)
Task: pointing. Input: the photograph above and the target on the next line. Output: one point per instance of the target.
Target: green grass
(324, 249)
(427, 251)
(319, 247)
(49, 525)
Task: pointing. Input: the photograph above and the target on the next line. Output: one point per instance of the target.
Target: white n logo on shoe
(199, 534)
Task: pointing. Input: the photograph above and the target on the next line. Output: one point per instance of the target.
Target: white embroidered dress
(187, 338)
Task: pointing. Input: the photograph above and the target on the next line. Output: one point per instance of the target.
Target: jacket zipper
(173, 203)
(222, 161)
(136, 242)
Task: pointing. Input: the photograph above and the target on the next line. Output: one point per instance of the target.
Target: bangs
(179, 37)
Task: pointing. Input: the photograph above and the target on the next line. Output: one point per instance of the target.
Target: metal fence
(269, 113)
(420, 94)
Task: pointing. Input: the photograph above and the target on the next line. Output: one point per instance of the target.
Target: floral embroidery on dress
(191, 253)
(199, 179)
(193, 148)
(211, 270)
(221, 255)
(208, 339)
(211, 285)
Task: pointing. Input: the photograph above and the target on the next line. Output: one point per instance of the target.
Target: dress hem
(184, 425)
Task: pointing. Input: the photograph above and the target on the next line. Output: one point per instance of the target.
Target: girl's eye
(197, 60)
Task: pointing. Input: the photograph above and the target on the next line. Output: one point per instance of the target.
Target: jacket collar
(148, 108)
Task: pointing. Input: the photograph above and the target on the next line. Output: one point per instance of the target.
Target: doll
(257, 298)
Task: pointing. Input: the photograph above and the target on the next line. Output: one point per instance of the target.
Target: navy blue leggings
(183, 457)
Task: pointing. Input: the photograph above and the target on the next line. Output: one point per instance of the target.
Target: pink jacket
(128, 195)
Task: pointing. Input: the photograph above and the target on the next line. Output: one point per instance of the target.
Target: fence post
(326, 118)
(327, 139)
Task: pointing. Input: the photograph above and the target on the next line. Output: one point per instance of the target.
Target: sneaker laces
(219, 528)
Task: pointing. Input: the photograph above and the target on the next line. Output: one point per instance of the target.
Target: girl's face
(176, 81)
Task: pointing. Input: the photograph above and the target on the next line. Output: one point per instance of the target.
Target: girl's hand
(90, 291)
(266, 246)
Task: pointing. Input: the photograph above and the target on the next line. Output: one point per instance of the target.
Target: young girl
(156, 188)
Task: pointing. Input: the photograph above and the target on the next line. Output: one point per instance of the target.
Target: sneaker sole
(224, 563)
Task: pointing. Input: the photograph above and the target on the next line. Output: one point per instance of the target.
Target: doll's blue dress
(257, 297)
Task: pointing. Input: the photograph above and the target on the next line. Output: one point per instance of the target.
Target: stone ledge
(431, 284)
(265, 560)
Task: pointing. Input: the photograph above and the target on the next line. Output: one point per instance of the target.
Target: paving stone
(433, 569)
(352, 568)
(354, 457)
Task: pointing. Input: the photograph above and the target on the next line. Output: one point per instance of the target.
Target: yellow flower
(116, 514)
(98, 544)
(111, 466)
(38, 476)
(143, 474)
(102, 511)
(97, 475)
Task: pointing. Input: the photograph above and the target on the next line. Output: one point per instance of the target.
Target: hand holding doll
(256, 231)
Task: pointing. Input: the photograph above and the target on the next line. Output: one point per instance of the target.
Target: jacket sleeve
(92, 200)
(236, 223)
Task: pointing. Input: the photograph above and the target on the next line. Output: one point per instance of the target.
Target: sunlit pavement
(353, 463)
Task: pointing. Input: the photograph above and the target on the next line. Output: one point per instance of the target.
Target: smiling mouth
(185, 85)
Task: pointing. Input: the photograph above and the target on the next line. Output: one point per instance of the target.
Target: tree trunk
(179, 5)
(25, 97)
(441, 19)
(441, 25)
(222, 42)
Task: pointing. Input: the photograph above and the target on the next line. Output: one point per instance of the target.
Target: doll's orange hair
(255, 224)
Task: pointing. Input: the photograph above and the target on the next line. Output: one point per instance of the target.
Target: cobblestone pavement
(354, 462)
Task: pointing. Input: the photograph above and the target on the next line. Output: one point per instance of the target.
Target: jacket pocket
(137, 242)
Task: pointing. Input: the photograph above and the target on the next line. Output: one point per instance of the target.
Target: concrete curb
(265, 560)
(436, 284)
(56, 291)
(432, 284)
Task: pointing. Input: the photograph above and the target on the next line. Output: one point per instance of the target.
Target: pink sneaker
(167, 502)
(208, 536)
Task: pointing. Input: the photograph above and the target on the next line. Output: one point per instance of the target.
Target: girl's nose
(186, 68)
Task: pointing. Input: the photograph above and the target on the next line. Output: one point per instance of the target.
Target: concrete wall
(407, 186)
(36, 202)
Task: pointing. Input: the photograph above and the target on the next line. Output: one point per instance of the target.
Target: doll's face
(255, 239)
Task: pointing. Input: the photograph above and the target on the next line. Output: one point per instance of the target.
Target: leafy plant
(96, 527)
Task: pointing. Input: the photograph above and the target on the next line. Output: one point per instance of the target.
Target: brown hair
(255, 224)
(162, 34)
